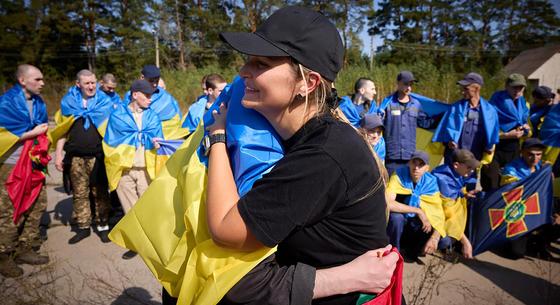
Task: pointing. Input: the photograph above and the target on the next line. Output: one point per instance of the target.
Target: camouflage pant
(24, 234)
(80, 172)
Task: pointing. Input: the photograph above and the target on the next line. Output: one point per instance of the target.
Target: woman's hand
(220, 118)
(372, 271)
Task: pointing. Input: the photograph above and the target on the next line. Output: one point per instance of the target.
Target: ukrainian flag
(167, 108)
(195, 114)
(425, 195)
(550, 136)
(167, 226)
(122, 139)
(451, 125)
(15, 118)
(350, 112)
(98, 109)
(452, 192)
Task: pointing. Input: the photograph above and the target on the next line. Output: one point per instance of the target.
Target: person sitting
(452, 181)
(372, 129)
(416, 213)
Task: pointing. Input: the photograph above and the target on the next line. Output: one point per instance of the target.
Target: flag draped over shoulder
(167, 108)
(350, 112)
(516, 170)
(424, 195)
(550, 134)
(452, 190)
(167, 226)
(28, 175)
(451, 125)
(512, 211)
(15, 118)
(511, 113)
(98, 109)
(195, 114)
(123, 137)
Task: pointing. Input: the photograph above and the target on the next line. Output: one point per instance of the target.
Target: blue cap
(141, 85)
(371, 121)
(150, 71)
(406, 77)
(471, 78)
(421, 155)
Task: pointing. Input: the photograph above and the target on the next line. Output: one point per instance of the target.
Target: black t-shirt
(82, 142)
(314, 203)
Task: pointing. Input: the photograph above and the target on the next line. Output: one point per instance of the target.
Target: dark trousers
(490, 175)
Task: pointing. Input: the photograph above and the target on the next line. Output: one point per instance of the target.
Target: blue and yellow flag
(452, 191)
(424, 195)
(550, 136)
(516, 170)
(350, 111)
(123, 138)
(512, 211)
(451, 125)
(15, 118)
(167, 226)
(195, 114)
(96, 113)
(167, 108)
(511, 113)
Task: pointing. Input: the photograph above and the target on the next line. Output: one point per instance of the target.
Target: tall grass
(435, 83)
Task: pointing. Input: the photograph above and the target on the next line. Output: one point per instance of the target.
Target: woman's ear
(310, 84)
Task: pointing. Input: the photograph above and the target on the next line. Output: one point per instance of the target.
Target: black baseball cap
(150, 71)
(466, 157)
(371, 121)
(471, 78)
(421, 155)
(300, 33)
(532, 142)
(543, 93)
(142, 85)
(406, 77)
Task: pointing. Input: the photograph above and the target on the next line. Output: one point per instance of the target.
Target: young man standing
(213, 86)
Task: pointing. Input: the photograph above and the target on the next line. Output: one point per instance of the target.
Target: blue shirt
(472, 135)
(401, 120)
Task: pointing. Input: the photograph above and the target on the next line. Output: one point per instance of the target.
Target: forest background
(438, 40)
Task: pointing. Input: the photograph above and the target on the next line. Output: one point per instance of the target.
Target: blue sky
(378, 41)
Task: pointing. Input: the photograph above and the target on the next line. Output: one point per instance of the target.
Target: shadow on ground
(526, 288)
(135, 296)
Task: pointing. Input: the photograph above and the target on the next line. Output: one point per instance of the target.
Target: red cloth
(24, 182)
(392, 295)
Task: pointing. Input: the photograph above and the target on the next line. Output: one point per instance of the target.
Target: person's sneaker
(104, 236)
(80, 234)
(8, 267)
(129, 254)
(31, 257)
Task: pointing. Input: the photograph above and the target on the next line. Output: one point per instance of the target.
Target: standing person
(129, 145)
(402, 114)
(513, 114)
(360, 103)
(372, 127)
(543, 100)
(163, 103)
(452, 179)
(87, 109)
(23, 117)
(470, 123)
(326, 185)
(108, 85)
(213, 84)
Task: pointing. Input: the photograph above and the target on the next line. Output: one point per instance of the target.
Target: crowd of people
(352, 178)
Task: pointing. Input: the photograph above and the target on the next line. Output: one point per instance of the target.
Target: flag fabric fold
(425, 195)
(512, 211)
(15, 118)
(123, 138)
(28, 175)
(452, 191)
(511, 113)
(195, 114)
(350, 112)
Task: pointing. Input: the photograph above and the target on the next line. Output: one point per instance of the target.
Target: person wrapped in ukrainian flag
(164, 104)
(452, 179)
(130, 145)
(416, 219)
(550, 135)
(81, 123)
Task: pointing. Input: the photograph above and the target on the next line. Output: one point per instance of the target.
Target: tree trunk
(180, 38)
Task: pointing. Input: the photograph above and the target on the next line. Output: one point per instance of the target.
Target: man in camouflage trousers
(17, 240)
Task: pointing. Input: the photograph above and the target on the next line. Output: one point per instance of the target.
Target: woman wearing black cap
(322, 204)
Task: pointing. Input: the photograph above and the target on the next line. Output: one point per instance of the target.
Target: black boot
(104, 236)
(80, 234)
